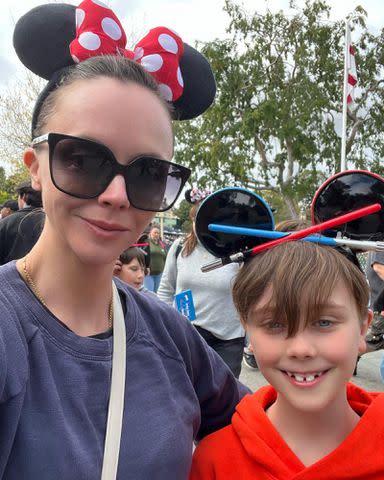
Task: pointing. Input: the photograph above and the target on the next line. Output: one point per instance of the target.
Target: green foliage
(279, 89)
(182, 213)
(19, 174)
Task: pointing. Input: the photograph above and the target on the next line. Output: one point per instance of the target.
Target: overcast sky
(193, 19)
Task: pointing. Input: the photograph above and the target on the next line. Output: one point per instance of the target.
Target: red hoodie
(251, 448)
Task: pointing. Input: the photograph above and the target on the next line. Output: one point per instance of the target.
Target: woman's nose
(116, 193)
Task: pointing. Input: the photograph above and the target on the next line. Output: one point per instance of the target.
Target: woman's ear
(363, 332)
(32, 163)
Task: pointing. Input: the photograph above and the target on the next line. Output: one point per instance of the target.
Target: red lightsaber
(334, 222)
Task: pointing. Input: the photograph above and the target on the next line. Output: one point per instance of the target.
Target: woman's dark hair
(117, 67)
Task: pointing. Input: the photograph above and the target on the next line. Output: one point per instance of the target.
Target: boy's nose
(301, 346)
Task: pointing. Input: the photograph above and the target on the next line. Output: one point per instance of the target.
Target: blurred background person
(375, 276)
(8, 207)
(216, 318)
(131, 267)
(19, 232)
(157, 254)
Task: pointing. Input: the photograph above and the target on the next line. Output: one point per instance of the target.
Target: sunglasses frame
(117, 168)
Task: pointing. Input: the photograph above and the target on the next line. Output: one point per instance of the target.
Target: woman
(216, 318)
(101, 132)
(157, 255)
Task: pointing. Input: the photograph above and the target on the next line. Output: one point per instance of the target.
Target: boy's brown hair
(302, 276)
(130, 254)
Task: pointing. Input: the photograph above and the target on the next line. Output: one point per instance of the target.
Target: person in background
(305, 309)
(157, 255)
(216, 318)
(131, 268)
(8, 207)
(20, 231)
(375, 277)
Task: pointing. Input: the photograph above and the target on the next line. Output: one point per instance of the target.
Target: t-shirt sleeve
(217, 389)
(13, 360)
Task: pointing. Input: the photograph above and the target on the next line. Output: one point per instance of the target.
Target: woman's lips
(104, 229)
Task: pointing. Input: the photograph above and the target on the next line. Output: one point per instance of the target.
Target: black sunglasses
(83, 168)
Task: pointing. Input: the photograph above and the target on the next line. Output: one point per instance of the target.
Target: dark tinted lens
(80, 167)
(235, 207)
(349, 192)
(153, 184)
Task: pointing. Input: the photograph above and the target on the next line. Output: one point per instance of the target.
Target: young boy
(132, 267)
(304, 307)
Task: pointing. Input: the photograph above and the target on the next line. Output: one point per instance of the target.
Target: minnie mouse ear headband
(194, 195)
(51, 38)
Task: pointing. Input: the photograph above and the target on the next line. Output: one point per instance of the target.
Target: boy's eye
(274, 326)
(324, 323)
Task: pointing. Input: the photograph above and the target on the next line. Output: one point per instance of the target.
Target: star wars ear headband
(51, 38)
(194, 195)
(235, 224)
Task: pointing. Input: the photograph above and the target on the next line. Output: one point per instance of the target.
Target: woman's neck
(77, 294)
(313, 435)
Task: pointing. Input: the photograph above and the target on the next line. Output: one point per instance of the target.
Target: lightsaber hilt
(220, 262)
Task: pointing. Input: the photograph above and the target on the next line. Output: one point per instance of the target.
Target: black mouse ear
(42, 37)
(199, 85)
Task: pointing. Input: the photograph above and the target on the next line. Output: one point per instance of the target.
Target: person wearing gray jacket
(216, 318)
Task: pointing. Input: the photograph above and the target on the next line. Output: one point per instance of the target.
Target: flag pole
(343, 165)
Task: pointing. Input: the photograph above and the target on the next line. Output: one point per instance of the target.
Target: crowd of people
(104, 374)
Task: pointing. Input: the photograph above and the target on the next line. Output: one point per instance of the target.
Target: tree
(182, 214)
(279, 89)
(16, 106)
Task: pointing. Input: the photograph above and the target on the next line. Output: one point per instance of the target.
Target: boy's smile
(305, 378)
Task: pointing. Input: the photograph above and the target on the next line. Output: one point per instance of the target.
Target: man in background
(375, 276)
(20, 231)
(8, 207)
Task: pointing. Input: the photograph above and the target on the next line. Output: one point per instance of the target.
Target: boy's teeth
(302, 378)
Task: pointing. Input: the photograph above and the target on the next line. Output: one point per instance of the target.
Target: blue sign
(184, 304)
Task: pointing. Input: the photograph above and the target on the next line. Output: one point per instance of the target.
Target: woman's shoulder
(13, 341)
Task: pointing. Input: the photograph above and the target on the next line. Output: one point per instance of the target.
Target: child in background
(132, 269)
(304, 308)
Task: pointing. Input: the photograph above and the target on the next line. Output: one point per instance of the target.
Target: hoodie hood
(360, 456)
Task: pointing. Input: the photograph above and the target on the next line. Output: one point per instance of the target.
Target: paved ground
(368, 374)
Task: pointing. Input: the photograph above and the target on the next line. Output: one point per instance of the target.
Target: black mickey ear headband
(53, 37)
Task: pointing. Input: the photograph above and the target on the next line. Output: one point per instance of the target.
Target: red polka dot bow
(99, 32)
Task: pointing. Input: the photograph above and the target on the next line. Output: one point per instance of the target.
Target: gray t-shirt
(211, 291)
